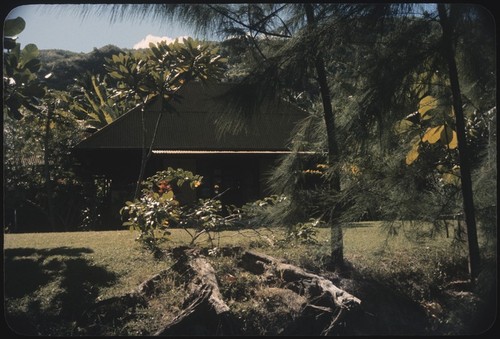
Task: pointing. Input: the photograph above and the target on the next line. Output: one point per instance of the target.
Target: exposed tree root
(258, 263)
(329, 298)
(205, 312)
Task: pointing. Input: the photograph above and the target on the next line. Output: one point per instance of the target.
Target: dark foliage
(67, 66)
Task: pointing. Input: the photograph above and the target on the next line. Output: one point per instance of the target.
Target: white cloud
(144, 43)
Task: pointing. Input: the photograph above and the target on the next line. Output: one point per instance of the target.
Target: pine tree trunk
(465, 168)
(146, 152)
(337, 251)
(142, 169)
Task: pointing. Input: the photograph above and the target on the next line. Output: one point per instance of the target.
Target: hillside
(66, 65)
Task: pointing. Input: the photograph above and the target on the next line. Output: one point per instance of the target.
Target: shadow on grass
(46, 290)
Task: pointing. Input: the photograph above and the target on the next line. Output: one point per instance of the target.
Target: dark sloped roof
(192, 126)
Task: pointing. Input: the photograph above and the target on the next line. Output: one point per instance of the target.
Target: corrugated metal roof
(192, 126)
(225, 152)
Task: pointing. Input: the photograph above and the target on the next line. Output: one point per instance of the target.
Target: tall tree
(160, 74)
(452, 41)
(337, 254)
(38, 133)
(445, 20)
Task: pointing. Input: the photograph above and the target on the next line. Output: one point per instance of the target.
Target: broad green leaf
(412, 155)
(29, 52)
(432, 135)
(34, 90)
(107, 117)
(13, 27)
(426, 104)
(33, 65)
(403, 126)
(116, 75)
(95, 107)
(156, 52)
(169, 195)
(94, 116)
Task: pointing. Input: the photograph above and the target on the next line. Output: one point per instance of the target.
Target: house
(188, 138)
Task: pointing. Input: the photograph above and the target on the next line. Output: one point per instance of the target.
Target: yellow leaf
(426, 104)
(451, 179)
(454, 141)
(432, 135)
(412, 155)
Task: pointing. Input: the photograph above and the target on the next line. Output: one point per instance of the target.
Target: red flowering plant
(158, 209)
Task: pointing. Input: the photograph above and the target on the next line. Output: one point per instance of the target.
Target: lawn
(50, 278)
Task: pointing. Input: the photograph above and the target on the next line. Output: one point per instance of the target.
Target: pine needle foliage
(375, 56)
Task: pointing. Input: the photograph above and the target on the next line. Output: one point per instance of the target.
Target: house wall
(237, 178)
(241, 177)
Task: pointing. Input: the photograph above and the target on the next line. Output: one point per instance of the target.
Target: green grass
(51, 277)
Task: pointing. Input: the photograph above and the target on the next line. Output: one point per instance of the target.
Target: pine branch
(251, 27)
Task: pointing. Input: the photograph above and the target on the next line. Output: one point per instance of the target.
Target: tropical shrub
(160, 208)
(157, 209)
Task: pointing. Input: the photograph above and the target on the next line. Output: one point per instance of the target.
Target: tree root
(205, 312)
(334, 301)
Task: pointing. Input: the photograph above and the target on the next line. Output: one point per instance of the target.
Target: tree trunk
(46, 158)
(337, 251)
(205, 311)
(146, 152)
(465, 168)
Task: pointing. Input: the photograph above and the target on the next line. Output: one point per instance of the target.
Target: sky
(61, 27)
